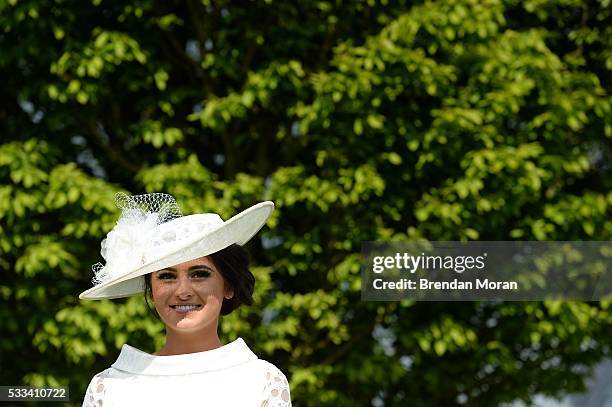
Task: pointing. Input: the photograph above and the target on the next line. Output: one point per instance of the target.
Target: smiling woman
(192, 295)
(193, 269)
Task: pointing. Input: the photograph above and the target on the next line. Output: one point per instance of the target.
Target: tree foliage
(377, 120)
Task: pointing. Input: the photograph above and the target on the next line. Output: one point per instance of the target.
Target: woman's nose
(184, 288)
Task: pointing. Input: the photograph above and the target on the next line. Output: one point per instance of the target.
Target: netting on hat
(164, 205)
(123, 248)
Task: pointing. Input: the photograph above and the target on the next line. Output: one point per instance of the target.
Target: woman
(193, 269)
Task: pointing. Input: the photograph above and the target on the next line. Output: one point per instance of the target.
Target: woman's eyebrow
(199, 267)
(196, 267)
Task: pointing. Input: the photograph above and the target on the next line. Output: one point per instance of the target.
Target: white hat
(152, 234)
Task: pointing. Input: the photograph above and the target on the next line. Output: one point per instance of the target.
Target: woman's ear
(229, 294)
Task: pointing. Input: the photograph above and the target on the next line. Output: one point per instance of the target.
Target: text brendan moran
(425, 284)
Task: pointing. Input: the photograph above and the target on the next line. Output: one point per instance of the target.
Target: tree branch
(198, 16)
(117, 156)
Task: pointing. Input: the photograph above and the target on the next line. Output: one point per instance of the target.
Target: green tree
(445, 120)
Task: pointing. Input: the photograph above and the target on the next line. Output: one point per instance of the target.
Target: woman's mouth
(183, 309)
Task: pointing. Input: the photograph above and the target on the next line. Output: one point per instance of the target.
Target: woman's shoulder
(102, 374)
(265, 366)
(96, 389)
(107, 373)
(267, 371)
(275, 384)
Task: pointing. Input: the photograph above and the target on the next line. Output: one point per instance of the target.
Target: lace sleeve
(276, 391)
(94, 396)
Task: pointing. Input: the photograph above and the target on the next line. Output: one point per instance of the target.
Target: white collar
(135, 361)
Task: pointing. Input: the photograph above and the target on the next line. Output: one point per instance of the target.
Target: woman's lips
(184, 309)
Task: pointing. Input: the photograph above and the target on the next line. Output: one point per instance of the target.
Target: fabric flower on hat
(124, 246)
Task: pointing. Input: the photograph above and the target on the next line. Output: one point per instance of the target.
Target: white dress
(231, 375)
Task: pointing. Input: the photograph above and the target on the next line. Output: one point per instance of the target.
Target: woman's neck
(178, 343)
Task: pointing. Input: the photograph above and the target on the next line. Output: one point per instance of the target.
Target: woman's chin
(187, 325)
(192, 323)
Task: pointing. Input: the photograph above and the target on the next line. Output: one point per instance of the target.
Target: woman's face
(188, 296)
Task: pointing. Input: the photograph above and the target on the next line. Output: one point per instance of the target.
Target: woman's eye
(201, 274)
(165, 276)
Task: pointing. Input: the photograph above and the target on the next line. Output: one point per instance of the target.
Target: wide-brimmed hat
(152, 234)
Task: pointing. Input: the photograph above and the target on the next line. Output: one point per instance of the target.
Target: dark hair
(233, 264)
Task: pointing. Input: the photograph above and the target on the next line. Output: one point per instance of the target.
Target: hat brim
(237, 230)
